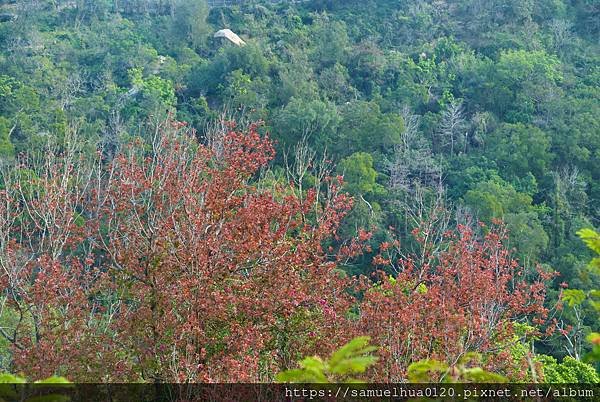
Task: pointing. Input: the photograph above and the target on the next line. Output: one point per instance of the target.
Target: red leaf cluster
(464, 302)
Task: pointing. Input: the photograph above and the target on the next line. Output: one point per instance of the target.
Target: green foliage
(13, 387)
(359, 173)
(331, 42)
(364, 127)
(314, 120)
(7, 149)
(497, 199)
(519, 76)
(156, 92)
(520, 347)
(464, 371)
(569, 371)
(190, 23)
(160, 89)
(208, 78)
(594, 355)
(6, 378)
(351, 359)
(519, 149)
(592, 239)
(573, 297)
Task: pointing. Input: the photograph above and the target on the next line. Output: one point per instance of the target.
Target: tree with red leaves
(463, 300)
(170, 264)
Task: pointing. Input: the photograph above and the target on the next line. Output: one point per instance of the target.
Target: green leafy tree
(519, 149)
(208, 78)
(351, 359)
(364, 127)
(569, 370)
(497, 199)
(335, 84)
(521, 79)
(359, 175)
(190, 21)
(7, 149)
(592, 239)
(360, 179)
(464, 371)
(314, 121)
(16, 388)
(331, 42)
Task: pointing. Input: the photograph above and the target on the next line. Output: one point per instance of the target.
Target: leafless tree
(574, 335)
(430, 214)
(570, 189)
(562, 34)
(452, 130)
(215, 130)
(480, 123)
(413, 173)
(306, 162)
(413, 162)
(67, 91)
(53, 189)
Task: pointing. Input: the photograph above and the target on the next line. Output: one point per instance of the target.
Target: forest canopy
(179, 208)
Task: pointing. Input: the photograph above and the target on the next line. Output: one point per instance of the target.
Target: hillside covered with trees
(179, 208)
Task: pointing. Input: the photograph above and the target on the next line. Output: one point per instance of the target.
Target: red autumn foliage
(187, 270)
(464, 300)
(172, 263)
